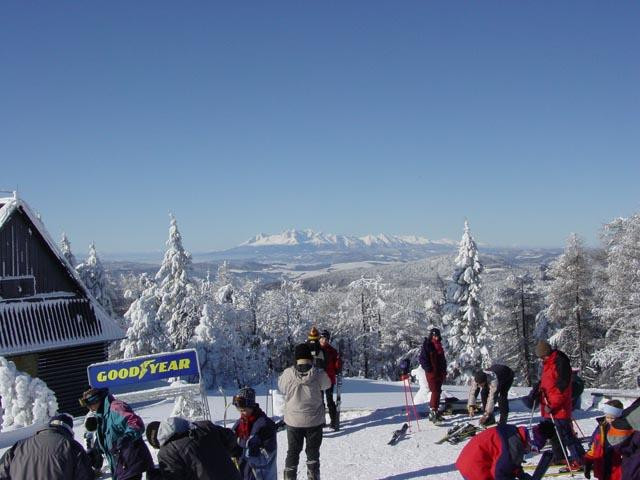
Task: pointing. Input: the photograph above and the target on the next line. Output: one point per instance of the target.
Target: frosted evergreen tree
(620, 309)
(96, 280)
(24, 400)
(570, 299)
(177, 294)
(147, 331)
(465, 324)
(515, 308)
(65, 247)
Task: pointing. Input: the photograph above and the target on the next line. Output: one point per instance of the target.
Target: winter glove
(548, 409)
(587, 469)
(95, 458)
(472, 410)
(483, 419)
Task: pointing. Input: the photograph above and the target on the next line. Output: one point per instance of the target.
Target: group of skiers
(190, 450)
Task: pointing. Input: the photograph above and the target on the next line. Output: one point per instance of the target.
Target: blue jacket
(259, 451)
(119, 436)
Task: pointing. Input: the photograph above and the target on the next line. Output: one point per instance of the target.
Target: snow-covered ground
(372, 410)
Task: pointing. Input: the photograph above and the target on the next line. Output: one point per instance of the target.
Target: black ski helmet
(435, 332)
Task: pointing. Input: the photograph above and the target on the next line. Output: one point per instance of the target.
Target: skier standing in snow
(434, 363)
(495, 454)
(554, 393)
(50, 454)
(256, 436)
(119, 435)
(602, 457)
(333, 366)
(192, 451)
(493, 384)
(302, 386)
(624, 435)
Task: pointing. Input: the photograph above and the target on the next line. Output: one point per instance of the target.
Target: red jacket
(494, 454)
(333, 364)
(555, 386)
(607, 462)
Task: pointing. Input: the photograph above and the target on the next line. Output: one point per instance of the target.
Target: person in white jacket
(302, 386)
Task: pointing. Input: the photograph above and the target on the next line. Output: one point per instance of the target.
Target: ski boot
(290, 473)
(313, 470)
(435, 417)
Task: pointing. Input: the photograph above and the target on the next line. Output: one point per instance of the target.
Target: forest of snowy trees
(587, 303)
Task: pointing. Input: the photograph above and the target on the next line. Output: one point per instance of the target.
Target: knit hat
(303, 351)
(63, 420)
(93, 395)
(435, 332)
(543, 349)
(152, 434)
(326, 334)
(245, 398)
(480, 377)
(313, 334)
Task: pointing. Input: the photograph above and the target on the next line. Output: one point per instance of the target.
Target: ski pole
(406, 400)
(564, 451)
(578, 425)
(415, 411)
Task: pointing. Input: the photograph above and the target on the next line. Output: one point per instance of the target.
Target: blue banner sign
(144, 369)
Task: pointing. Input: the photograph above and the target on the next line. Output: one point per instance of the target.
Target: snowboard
(398, 434)
(339, 387)
(458, 433)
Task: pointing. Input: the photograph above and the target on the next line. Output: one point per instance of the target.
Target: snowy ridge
(318, 239)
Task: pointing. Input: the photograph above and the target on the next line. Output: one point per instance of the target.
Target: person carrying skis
(192, 451)
(493, 384)
(256, 437)
(554, 393)
(602, 457)
(50, 454)
(495, 454)
(434, 363)
(333, 366)
(119, 435)
(302, 386)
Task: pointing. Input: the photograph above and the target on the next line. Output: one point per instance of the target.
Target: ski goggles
(95, 397)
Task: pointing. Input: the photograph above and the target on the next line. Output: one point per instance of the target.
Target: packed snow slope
(372, 410)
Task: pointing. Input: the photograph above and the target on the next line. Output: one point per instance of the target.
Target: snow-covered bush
(24, 400)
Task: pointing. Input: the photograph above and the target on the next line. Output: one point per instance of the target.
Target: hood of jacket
(170, 427)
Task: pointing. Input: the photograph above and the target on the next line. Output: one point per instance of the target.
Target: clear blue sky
(347, 117)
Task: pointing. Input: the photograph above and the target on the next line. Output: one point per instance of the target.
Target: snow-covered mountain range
(330, 240)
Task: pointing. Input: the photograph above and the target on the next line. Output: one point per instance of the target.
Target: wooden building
(50, 325)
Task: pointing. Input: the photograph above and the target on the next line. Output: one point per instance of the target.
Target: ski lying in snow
(339, 388)
(458, 433)
(543, 465)
(398, 434)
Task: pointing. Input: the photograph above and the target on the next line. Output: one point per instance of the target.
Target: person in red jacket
(602, 457)
(495, 454)
(554, 393)
(333, 366)
(433, 361)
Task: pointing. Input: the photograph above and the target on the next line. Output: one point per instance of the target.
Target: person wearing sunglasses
(256, 437)
(118, 434)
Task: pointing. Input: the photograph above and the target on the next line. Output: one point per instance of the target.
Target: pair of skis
(543, 465)
(339, 387)
(458, 433)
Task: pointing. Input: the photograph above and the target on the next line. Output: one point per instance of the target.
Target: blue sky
(347, 117)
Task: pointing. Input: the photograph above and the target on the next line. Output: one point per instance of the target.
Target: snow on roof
(109, 329)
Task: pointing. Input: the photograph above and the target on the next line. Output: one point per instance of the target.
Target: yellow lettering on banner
(102, 376)
(173, 365)
(184, 364)
(112, 375)
(162, 367)
(123, 373)
(134, 371)
(153, 367)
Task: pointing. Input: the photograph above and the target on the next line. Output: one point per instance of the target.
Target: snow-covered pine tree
(96, 280)
(516, 305)
(65, 247)
(147, 332)
(24, 400)
(620, 309)
(570, 300)
(179, 303)
(465, 324)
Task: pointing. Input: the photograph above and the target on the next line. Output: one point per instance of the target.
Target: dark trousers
(331, 405)
(502, 397)
(296, 438)
(575, 450)
(435, 385)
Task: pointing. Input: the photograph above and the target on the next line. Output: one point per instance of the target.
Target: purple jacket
(630, 451)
